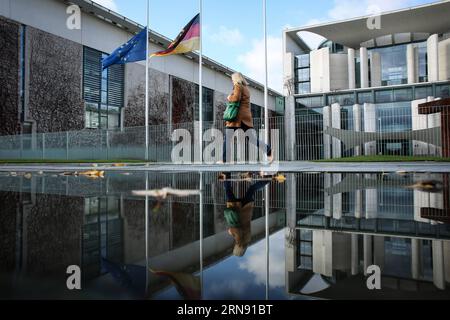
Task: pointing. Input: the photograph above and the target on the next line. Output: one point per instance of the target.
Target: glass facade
(393, 59)
(302, 74)
(423, 62)
(393, 64)
(103, 91)
(208, 104)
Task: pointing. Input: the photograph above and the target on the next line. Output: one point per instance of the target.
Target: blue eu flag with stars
(132, 51)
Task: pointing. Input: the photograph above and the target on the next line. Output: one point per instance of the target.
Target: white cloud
(255, 259)
(110, 4)
(226, 36)
(346, 9)
(253, 61)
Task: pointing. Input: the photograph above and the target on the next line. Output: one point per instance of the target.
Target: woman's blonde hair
(238, 78)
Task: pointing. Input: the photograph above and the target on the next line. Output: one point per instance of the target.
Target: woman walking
(244, 119)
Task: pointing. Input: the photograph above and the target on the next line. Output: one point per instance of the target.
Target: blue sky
(233, 30)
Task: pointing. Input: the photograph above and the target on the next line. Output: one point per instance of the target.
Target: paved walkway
(419, 167)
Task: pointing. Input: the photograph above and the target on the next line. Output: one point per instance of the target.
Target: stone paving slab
(419, 167)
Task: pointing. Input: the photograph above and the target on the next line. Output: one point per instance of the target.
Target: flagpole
(147, 82)
(266, 138)
(200, 82)
(266, 78)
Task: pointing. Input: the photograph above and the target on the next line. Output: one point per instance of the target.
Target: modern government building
(359, 92)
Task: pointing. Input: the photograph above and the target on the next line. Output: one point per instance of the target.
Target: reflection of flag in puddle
(187, 285)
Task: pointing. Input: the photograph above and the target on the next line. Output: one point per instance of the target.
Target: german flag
(188, 40)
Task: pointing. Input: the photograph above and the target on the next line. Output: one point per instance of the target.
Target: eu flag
(132, 51)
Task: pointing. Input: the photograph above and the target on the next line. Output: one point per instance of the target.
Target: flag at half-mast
(188, 40)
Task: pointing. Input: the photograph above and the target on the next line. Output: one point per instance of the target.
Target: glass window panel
(403, 94)
(383, 96)
(113, 120)
(305, 263)
(306, 235)
(104, 121)
(311, 102)
(342, 99)
(423, 92)
(304, 88)
(303, 75)
(393, 64)
(443, 91)
(302, 61)
(365, 97)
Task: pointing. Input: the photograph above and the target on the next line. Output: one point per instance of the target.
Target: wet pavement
(205, 237)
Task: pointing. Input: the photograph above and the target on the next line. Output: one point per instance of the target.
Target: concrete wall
(433, 57)
(9, 77)
(54, 100)
(159, 104)
(8, 223)
(320, 70)
(339, 76)
(444, 60)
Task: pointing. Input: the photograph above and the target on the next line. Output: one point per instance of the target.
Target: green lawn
(18, 161)
(388, 159)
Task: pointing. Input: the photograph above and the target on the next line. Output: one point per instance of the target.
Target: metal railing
(126, 144)
(317, 136)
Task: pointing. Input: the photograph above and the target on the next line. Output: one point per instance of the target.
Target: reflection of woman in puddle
(238, 215)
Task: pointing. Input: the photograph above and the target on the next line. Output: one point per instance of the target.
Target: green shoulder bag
(232, 111)
(232, 218)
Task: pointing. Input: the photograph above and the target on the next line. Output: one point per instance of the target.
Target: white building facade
(364, 79)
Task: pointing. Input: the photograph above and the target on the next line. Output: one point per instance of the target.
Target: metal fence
(127, 144)
(343, 133)
(320, 135)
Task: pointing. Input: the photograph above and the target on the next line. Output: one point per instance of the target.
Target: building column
(291, 248)
(357, 124)
(416, 259)
(358, 201)
(351, 69)
(370, 125)
(289, 74)
(419, 122)
(375, 70)
(433, 58)
(433, 121)
(444, 60)
(290, 129)
(438, 265)
(326, 137)
(364, 57)
(355, 254)
(379, 253)
(328, 200)
(336, 124)
(371, 199)
(368, 254)
(412, 67)
(337, 198)
(323, 252)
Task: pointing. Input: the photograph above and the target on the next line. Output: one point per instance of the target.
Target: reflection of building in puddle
(47, 228)
(345, 223)
(408, 265)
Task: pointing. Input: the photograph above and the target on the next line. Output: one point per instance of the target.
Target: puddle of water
(325, 231)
